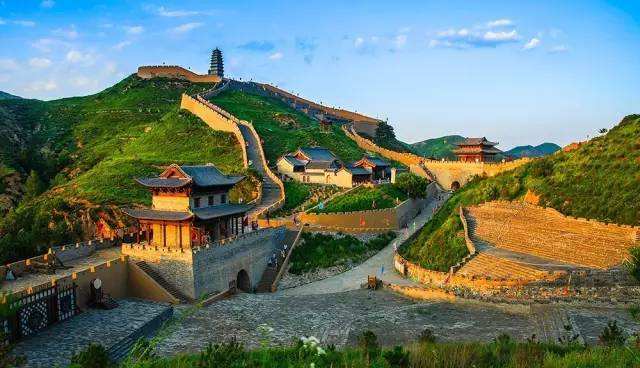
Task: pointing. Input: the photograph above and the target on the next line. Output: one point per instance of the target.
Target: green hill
(283, 128)
(8, 96)
(438, 148)
(599, 180)
(85, 151)
(540, 150)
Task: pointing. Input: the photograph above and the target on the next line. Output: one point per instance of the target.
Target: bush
(427, 337)
(411, 184)
(226, 355)
(397, 357)
(633, 262)
(93, 356)
(368, 344)
(612, 335)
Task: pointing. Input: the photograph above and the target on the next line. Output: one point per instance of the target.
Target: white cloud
(24, 23)
(82, 81)
(47, 4)
(77, 57)
(134, 30)
(558, 49)
(464, 38)
(400, 40)
(2, 21)
(187, 27)
(121, 45)
(532, 44)
(70, 33)
(111, 68)
(276, 56)
(499, 23)
(8, 64)
(359, 41)
(41, 86)
(37, 62)
(176, 13)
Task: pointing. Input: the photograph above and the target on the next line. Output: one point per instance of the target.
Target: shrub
(427, 337)
(612, 335)
(226, 355)
(411, 184)
(633, 262)
(93, 356)
(368, 344)
(397, 357)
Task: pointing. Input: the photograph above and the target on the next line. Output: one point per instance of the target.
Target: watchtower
(217, 65)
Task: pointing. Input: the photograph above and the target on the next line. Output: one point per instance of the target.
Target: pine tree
(33, 186)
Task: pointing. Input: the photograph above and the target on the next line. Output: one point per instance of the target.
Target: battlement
(175, 71)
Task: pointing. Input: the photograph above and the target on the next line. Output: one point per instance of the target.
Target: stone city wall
(216, 118)
(175, 265)
(446, 173)
(216, 266)
(175, 71)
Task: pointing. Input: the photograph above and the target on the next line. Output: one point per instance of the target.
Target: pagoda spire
(217, 65)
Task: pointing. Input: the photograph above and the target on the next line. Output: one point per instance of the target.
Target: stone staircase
(164, 283)
(271, 272)
(271, 191)
(555, 325)
(118, 351)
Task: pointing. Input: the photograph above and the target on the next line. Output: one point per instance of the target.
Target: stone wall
(215, 266)
(446, 173)
(175, 265)
(174, 71)
(216, 118)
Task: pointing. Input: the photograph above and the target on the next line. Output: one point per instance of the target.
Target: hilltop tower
(217, 65)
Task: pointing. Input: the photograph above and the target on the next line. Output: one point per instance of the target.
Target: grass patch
(283, 128)
(365, 198)
(322, 250)
(301, 196)
(599, 180)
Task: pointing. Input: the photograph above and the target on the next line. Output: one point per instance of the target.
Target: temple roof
(292, 160)
(476, 150)
(317, 153)
(200, 175)
(358, 170)
(321, 165)
(476, 141)
(376, 161)
(221, 210)
(149, 214)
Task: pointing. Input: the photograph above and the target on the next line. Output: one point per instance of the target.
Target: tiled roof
(318, 153)
(209, 175)
(475, 142)
(293, 161)
(321, 165)
(359, 170)
(163, 182)
(221, 210)
(376, 161)
(149, 214)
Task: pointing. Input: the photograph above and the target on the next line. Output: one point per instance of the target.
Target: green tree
(33, 186)
(412, 184)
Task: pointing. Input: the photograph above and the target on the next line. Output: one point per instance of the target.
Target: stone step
(162, 282)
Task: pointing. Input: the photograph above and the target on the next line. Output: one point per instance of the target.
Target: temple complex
(190, 207)
(476, 150)
(217, 65)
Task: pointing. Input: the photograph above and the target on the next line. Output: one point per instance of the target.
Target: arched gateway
(243, 282)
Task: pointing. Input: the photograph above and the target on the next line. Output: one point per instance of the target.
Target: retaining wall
(175, 71)
(216, 118)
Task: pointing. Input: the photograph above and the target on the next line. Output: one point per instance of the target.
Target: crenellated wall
(446, 173)
(175, 71)
(216, 118)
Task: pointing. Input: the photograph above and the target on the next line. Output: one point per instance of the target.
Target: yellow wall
(143, 286)
(170, 203)
(173, 236)
(174, 71)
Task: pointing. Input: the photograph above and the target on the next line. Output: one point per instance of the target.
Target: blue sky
(519, 72)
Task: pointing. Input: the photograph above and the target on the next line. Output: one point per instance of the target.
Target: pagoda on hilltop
(476, 150)
(217, 65)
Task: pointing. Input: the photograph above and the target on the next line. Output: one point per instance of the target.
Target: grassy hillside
(7, 96)
(87, 150)
(540, 150)
(438, 147)
(599, 180)
(284, 129)
(365, 198)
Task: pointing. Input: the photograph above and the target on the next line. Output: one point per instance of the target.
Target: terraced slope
(599, 180)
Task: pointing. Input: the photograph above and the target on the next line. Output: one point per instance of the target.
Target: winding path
(380, 264)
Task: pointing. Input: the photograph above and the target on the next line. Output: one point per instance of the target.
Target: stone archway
(455, 186)
(243, 282)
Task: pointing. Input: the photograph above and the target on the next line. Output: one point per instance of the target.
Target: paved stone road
(55, 345)
(352, 279)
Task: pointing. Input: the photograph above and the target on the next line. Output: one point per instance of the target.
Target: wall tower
(217, 65)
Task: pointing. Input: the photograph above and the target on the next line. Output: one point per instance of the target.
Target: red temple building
(476, 150)
(190, 207)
